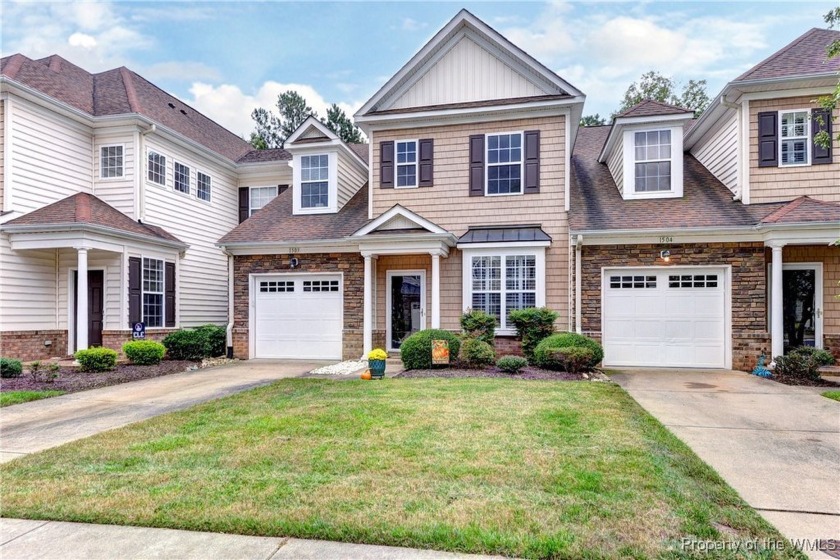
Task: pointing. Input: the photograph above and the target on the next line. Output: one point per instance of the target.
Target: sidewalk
(24, 539)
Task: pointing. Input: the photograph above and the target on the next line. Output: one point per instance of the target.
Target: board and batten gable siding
(203, 270)
(615, 164)
(717, 150)
(468, 72)
(350, 179)
(774, 184)
(116, 191)
(448, 204)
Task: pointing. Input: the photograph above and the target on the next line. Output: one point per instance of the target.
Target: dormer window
(653, 161)
(314, 181)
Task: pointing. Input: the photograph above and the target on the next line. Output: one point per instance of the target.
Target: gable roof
(120, 92)
(651, 107)
(399, 218)
(804, 209)
(806, 55)
(270, 154)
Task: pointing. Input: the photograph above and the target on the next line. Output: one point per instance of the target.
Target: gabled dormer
(326, 172)
(644, 150)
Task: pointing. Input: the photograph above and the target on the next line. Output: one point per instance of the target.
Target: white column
(777, 329)
(82, 301)
(435, 291)
(367, 322)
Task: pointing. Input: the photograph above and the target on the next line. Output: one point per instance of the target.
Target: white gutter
(578, 284)
(93, 228)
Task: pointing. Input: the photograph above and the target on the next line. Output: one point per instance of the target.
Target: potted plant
(376, 363)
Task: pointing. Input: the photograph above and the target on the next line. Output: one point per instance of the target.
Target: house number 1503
(666, 239)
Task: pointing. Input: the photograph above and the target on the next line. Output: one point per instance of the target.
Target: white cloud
(409, 24)
(81, 40)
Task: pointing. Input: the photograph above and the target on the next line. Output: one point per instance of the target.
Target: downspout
(578, 283)
(140, 160)
(229, 329)
(737, 109)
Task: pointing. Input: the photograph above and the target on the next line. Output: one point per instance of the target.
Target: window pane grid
(624, 282)
(794, 137)
(202, 186)
(693, 281)
(153, 292)
(314, 175)
(157, 168)
(504, 164)
(111, 161)
(277, 286)
(182, 178)
(653, 161)
(320, 285)
(260, 196)
(496, 288)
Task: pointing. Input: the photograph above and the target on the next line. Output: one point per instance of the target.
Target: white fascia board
(408, 245)
(310, 121)
(398, 210)
(621, 123)
(290, 247)
(68, 231)
(40, 98)
(707, 121)
(676, 235)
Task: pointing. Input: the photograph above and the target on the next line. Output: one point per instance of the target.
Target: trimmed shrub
(9, 368)
(35, 370)
(207, 341)
(822, 357)
(573, 359)
(532, 326)
(416, 350)
(479, 324)
(97, 359)
(216, 340)
(511, 364)
(144, 352)
(544, 358)
(476, 353)
(796, 365)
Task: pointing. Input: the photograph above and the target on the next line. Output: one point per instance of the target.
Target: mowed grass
(529, 469)
(833, 395)
(16, 397)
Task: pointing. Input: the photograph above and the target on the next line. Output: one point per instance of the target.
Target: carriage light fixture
(665, 255)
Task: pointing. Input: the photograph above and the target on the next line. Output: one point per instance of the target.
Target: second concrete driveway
(777, 446)
(39, 425)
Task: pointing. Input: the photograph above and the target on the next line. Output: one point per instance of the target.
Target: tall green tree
(338, 121)
(653, 85)
(830, 101)
(272, 131)
(593, 120)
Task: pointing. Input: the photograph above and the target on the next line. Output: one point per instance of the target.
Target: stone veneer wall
(29, 345)
(749, 312)
(352, 265)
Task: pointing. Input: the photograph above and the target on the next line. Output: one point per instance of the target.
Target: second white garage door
(298, 316)
(665, 317)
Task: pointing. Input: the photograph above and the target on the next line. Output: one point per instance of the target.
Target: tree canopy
(653, 85)
(593, 120)
(830, 101)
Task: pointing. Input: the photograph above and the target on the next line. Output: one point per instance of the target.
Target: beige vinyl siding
(118, 192)
(830, 257)
(448, 204)
(773, 184)
(468, 72)
(615, 163)
(350, 179)
(111, 264)
(203, 274)
(396, 263)
(718, 151)
(28, 294)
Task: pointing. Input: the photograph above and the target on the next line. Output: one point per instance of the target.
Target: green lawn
(833, 395)
(16, 397)
(534, 469)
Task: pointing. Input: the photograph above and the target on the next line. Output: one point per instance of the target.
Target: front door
(802, 305)
(96, 289)
(406, 293)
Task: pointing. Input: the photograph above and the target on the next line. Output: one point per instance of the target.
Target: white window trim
(487, 164)
(162, 293)
(466, 275)
(174, 178)
(807, 137)
(210, 191)
(251, 208)
(101, 167)
(332, 183)
(165, 168)
(629, 168)
(416, 164)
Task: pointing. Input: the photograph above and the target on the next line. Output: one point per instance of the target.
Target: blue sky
(225, 58)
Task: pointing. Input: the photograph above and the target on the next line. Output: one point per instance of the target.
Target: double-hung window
(202, 186)
(653, 161)
(110, 162)
(503, 283)
(182, 178)
(314, 181)
(153, 288)
(406, 153)
(259, 197)
(504, 163)
(794, 138)
(156, 168)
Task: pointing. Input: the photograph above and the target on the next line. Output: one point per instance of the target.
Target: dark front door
(96, 290)
(799, 302)
(406, 312)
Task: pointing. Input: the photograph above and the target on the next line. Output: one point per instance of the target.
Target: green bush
(9, 368)
(798, 365)
(194, 344)
(144, 352)
(480, 325)
(216, 340)
(511, 364)
(573, 359)
(416, 350)
(543, 356)
(97, 359)
(476, 353)
(822, 357)
(532, 325)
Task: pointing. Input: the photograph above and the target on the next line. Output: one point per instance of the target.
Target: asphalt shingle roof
(651, 107)
(805, 55)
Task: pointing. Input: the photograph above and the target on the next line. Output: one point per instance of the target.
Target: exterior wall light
(665, 255)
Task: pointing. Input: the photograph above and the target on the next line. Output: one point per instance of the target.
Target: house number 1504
(666, 239)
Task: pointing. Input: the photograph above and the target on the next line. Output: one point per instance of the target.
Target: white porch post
(367, 321)
(435, 291)
(777, 332)
(82, 300)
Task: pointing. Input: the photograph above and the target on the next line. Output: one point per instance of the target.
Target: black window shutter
(281, 189)
(386, 165)
(169, 294)
(135, 290)
(768, 139)
(244, 203)
(477, 165)
(532, 161)
(426, 158)
(820, 120)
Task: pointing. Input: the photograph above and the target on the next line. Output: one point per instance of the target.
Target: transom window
(153, 292)
(157, 168)
(503, 282)
(653, 161)
(504, 163)
(632, 282)
(259, 197)
(202, 186)
(271, 286)
(407, 163)
(795, 137)
(693, 281)
(110, 162)
(182, 178)
(320, 285)
(314, 181)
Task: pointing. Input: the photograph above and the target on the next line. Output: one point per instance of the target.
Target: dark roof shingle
(803, 210)
(805, 55)
(651, 107)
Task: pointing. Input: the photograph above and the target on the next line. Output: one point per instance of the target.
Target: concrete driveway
(38, 425)
(777, 446)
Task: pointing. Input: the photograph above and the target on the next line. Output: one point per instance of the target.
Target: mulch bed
(803, 382)
(72, 380)
(524, 373)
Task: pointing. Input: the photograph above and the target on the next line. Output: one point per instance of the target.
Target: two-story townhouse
(113, 196)
(464, 205)
(710, 242)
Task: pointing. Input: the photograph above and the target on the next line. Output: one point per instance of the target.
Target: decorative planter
(377, 368)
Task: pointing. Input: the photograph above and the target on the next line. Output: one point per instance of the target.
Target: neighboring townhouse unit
(464, 205)
(708, 243)
(114, 194)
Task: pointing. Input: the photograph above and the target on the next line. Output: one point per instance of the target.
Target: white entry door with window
(297, 316)
(665, 317)
(405, 304)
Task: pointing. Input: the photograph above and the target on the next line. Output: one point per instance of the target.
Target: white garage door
(298, 316)
(665, 317)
